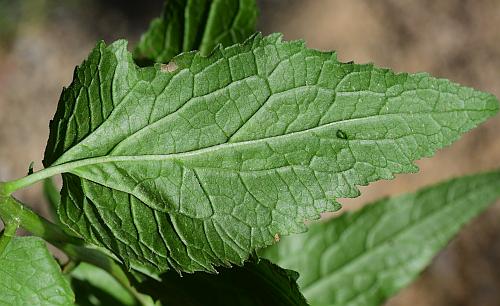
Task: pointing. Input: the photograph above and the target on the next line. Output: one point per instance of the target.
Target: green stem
(11, 209)
(68, 267)
(8, 233)
(15, 214)
(12, 186)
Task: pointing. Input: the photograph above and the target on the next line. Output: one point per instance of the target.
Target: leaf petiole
(7, 188)
(11, 209)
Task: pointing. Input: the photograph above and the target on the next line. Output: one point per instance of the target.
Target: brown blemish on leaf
(170, 67)
(277, 237)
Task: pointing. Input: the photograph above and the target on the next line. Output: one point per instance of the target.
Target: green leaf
(256, 283)
(187, 25)
(29, 275)
(198, 167)
(94, 286)
(363, 258)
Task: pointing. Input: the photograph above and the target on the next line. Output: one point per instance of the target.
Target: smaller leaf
(258, 282)
(187, 25)
(95, 286)
(29, 275)
(363, 258)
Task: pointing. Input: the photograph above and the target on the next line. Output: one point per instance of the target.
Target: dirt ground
(42, 41)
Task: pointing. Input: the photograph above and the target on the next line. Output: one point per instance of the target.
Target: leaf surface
(363, 258)
(198, 167)
(29, 275)
(256, 283)
(187, 25)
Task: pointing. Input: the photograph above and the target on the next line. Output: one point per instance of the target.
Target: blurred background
(41, 41)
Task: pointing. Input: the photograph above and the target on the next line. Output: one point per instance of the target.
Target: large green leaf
(256, 283)
(362, 258)
(198, 166)
(187, 25)
(29, 275)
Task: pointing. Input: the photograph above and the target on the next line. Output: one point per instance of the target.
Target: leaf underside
(365, 257)
(256, 283)
(187, 25)
(200, 166)
(29, 275)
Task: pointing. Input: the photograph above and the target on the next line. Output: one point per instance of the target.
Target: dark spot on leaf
(30, 168)
(341, 134)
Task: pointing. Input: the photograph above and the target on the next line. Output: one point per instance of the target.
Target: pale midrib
(69, 166)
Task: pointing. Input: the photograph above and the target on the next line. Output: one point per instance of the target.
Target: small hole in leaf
(341, 134)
